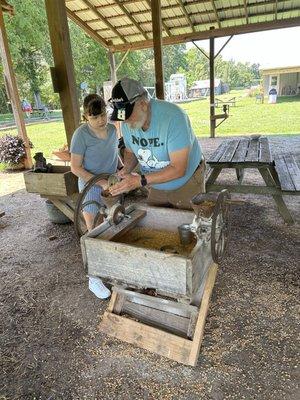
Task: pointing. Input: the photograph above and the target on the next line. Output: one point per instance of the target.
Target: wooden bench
(288, 172)
(281, 175)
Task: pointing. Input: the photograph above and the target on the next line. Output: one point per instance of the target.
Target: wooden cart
(159, 299)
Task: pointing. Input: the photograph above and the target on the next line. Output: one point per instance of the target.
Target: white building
(286, 80)
(176, 88)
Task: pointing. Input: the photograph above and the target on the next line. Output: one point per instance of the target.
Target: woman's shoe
(98, 288)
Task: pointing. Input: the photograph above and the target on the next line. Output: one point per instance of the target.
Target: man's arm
(176, 169)
(130, 162)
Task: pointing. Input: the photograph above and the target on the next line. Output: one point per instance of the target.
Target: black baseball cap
(124, 94)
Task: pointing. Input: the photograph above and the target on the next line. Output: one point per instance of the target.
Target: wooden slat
(146, 337)
(253, 149)
(264, 152)
(293, 169)
(184, 310)
(218, 153)
(241, 151)
(115, 231)
(199, 330)
(158, 318)
(229, 152)
(285, 179)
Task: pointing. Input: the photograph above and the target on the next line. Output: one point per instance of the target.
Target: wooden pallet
(164, 327)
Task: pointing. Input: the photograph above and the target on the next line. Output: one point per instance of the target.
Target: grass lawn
(246, 118)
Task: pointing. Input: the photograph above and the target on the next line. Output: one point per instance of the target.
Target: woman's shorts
(93, 194)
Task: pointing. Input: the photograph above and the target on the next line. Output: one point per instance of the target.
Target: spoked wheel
(102, 206)
(220, 226)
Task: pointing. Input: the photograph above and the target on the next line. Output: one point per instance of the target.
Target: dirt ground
(50, 346)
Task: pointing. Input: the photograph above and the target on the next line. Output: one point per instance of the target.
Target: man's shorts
(181, 197)
(93, 194)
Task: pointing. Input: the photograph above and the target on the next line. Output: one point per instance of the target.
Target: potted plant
(12, 151)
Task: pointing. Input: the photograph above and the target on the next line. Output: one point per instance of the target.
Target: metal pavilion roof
(126, 24)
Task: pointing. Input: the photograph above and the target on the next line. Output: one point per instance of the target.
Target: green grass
(247, 117)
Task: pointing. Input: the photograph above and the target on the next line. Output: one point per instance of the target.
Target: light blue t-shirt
(170, 130)
(99, 155)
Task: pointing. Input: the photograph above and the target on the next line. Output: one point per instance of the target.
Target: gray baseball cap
(124, 94)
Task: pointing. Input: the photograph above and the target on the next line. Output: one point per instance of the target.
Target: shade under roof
(126, 24)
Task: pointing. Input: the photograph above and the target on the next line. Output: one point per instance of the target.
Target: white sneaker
(98, 288)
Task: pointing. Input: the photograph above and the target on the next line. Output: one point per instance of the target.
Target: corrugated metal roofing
(123, 24)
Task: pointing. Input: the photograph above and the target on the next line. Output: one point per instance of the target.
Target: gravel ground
(50, 347)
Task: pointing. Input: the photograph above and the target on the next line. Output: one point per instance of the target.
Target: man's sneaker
(98, 288)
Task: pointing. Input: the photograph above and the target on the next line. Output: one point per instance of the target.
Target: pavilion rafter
(104, 20)
(199, 24)
(246, 11)
(276, 9)
(162, 20)
(186, 15)
(83, 25)
(216, 13)
(232, 30)
(129, 16)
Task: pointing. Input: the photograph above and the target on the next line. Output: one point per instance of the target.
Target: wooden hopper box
(60, 183)
(131, 259)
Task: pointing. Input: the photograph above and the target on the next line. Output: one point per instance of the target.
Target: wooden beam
(224, 45)
(233, 30)
(64, 69)
(192, 14)
(212, 85)
(163, 23)
(202, 51)
(112, 64)
(105, 20)
(186, 15)
(216, 13)
(13, 93)
(246, 11)
(123, 59)
(276, 9)
(129, 15)
(6, 7)
(157, 45)
(83, 25)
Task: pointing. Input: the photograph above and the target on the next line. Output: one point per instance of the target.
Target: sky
(276, 48)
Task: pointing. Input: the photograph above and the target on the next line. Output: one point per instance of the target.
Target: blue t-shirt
(99, 155)
(170, 130)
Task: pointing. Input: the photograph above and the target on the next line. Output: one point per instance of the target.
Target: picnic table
(280, 174)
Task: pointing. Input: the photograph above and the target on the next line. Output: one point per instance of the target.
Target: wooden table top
(253, 151)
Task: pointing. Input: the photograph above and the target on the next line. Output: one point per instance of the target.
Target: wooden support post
(113, 71)
(157, 45)
(212, 86)
(64, 69)
(12, 89)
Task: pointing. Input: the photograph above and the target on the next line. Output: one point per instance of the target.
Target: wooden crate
(177, 276)
(61, 182)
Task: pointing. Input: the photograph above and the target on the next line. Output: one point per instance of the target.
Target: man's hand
(128, 183)
(103, 183)
(122, 172)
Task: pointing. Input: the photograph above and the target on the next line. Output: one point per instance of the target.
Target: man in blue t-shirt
(157, 135)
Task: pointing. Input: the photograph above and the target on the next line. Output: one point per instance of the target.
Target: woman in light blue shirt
(94, 150)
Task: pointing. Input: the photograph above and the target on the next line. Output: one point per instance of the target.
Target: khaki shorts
(181, 197)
